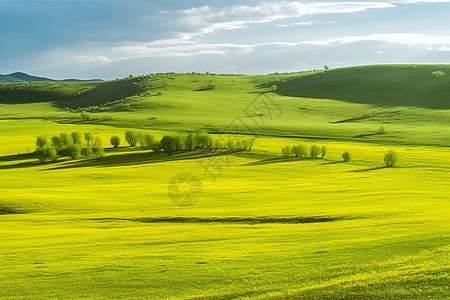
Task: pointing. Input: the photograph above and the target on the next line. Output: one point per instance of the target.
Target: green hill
(380, 85)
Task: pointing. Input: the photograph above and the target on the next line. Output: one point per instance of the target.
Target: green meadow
(263, 226)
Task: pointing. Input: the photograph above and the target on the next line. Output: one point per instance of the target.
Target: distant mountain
(22, 77)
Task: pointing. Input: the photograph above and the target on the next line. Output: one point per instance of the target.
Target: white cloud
(209, 20)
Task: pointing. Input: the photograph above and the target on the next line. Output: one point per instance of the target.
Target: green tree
(86, 151)
(58, 143)
(132, 137)
(314, 151)
(97, 142)
(41, 153)
(323, 151)
(98, 151)
(156, 146)
(438, 74)
(74, 151)
(346, 156)
(76, 138)
(89, 137)
(189, 143)
(390, 158)
(115, 141)
(52, 154)
(66, 140)
(41, 141)
(326, 67)
(168, 144)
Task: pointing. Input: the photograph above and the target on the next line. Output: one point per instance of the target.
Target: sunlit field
(261, 226)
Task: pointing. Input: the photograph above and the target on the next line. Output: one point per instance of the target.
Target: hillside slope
(391, 85)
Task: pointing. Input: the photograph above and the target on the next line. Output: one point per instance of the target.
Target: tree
(326, 67)
(74, 151)
(66, 140)
(155, 146)
(296, 150)
(189, 143)
(76, 138)
(168, 144)
(97, 142)
(346, 156)
(89, 137)
(274, 88)
(58, 143)
(41, 153)
(52, 154)
(86, 151)
(314, 151)
(41, 141)
(323, 151)
(146, 140)
(115, 141)
(438, 74)
(390, 158)
(46, 152)
(98, 151)
(132, 137)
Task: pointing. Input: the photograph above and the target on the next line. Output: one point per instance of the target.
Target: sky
(111, 39)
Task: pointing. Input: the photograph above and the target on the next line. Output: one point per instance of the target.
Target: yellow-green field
(264, 227)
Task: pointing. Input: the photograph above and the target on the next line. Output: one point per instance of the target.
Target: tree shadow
(275, 160)
(16, 157)
(367, 170)
(332, 163)
(130, 159)
(367, 135)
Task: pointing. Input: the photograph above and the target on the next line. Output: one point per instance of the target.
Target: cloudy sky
(114, 38)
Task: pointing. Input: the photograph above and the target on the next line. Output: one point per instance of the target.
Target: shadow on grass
(275, 160)
(233, 220)
(333, 163)
(27, 164)
(133, 158)
(367, 170)
(8, 210)
(367, 134)
(15, 157)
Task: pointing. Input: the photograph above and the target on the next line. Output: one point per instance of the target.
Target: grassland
(265, 226)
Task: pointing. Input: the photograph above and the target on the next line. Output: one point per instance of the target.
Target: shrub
(146, 140)
(314, 151)
(115, 141)
(346, 156)
(390, 158)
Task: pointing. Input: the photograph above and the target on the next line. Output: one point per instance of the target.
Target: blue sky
(114, 38)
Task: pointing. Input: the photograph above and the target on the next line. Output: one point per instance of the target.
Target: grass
(265, 226)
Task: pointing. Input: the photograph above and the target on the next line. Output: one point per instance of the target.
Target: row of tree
(183, 142)
(77, 145)
(302, 151)
(73, 145)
